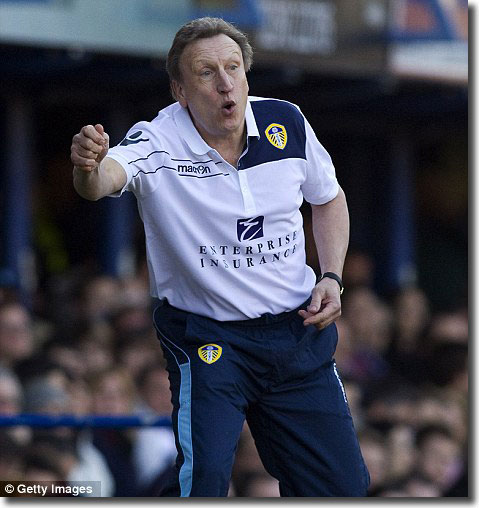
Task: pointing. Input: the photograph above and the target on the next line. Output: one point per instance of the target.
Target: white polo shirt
(222, 242)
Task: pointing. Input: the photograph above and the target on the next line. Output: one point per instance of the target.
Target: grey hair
(203, 28)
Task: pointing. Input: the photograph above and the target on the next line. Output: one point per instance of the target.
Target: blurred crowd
(87, 346)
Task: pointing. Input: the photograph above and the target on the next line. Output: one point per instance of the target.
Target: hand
(89, 147)
(325, 304)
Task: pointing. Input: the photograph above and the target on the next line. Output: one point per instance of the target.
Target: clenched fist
(89, 147)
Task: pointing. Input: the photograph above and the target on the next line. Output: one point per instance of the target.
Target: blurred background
(385, 86)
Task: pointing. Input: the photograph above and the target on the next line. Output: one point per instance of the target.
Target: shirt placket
(248, 199)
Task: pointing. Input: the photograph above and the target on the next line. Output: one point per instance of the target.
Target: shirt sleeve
(133, 154)
(321, 184)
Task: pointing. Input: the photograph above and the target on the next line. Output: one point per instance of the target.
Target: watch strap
(334, 276)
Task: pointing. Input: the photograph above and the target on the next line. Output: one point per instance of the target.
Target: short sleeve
(321, 184)
(133, 154)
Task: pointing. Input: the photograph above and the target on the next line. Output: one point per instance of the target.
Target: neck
(229, 146)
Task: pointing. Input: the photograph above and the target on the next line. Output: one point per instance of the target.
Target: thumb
(315, 304)
(106, 139)
(99, 128)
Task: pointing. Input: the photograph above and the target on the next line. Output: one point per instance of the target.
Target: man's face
(214, 87)
(438, 458)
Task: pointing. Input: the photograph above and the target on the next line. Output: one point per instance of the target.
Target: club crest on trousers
(210, 353)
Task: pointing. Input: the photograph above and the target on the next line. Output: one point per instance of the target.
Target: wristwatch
(337, 278)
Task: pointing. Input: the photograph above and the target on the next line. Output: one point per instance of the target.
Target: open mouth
(228, 106)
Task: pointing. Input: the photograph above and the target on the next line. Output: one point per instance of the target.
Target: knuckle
(90, 145)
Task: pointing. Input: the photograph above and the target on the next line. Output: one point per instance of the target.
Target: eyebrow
(236, 54)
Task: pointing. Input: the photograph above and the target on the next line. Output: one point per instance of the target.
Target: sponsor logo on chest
(198, 170)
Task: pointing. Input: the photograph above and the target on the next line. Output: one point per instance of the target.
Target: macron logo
(250, 229)
(199, 170)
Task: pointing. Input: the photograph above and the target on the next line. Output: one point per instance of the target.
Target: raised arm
(331, 236)
(94, 174)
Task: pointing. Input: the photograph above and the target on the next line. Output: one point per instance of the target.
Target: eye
(206, 73)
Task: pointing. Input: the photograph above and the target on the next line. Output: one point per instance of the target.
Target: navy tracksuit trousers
(278, 375)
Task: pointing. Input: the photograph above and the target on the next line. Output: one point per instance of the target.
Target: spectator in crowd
(131, 314)
(437, 406)
(259, 484)
(64, 353)
(393, 402)
(439, 457)
(99, 297)
(412, 317)
(247, 462)
(11, 457)
(417, 486)
(370, 322)
(11, 401)
(60, 448)
(16, 334)
(44, 395)
(90, 464)
(131, 319)
(79, 396)
(411, 487)
(97, 355)
(447, 367)
(154, 389)
(41, 465)
(138, 351)
(47, 396)
(355, 400)
(155, 449)
(358, 269)
(8, 286)
(406, 354)
(401, 451)
(345, 349)
(10, 392)
(114, 394)
(375, 453)
(452, 326)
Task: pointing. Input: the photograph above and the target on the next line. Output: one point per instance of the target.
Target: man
(16, 334)
(246, 331)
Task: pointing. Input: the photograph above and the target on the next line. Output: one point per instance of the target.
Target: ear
(179, 93)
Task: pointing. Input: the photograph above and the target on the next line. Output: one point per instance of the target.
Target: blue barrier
(104, 421)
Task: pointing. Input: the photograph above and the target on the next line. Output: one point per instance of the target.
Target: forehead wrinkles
(210, 50)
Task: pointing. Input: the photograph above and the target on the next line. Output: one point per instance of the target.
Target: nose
(225, 82)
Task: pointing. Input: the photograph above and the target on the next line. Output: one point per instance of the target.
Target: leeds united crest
(210, 353)
(277, 135)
